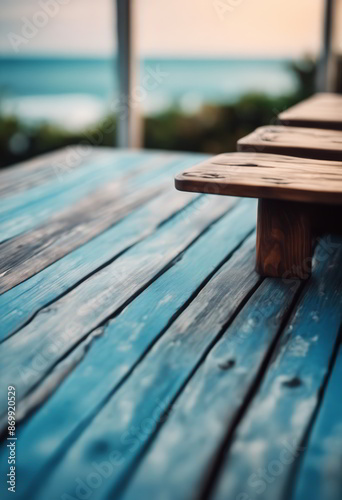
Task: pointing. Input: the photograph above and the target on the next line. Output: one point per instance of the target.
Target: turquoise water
(38, 88)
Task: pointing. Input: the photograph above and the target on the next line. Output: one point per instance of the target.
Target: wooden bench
(299, 199)
(297, 202)
(318, 144)
(322, 110)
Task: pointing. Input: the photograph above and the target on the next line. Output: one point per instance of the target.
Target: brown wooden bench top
(259, 175)
(323, 110)
(294, 141)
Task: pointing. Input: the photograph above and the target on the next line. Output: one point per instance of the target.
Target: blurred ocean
(77, 92)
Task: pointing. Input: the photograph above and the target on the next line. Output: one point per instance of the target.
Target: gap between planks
(151, 262)
(295, 470)
(291, 388)
(214, 468)
(76, 267)
(27, 254)
(250, 281)
(68, 362)
(310, 482)
(27, 210)
(101, 339)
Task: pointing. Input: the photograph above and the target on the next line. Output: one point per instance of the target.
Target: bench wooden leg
(284, 239)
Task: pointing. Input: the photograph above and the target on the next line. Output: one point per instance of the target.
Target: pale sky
(266, 28)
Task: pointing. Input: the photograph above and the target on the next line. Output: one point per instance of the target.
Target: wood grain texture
(212, 400)
(57, 166)
(268, 444)
(284, 243)
(138, 409)
(56, 330)
(26, 255)
(319, 474)
(259, 175)
(36, 171)
(119, 346)
(20, 304)
(323, 110)
(29, 253)
(294, 141)
(24, 211)
(155, 343)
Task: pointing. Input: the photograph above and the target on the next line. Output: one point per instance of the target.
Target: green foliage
(19, 142)
(214, 129)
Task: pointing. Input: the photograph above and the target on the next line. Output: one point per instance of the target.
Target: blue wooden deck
(149, 360)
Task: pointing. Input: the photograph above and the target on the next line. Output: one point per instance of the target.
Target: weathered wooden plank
(121, 344)
(20, 304)
(27, 254)
(27, 210)
(47, 166)
(261, 458)
(294, 141)
(259, 175)
(319, 476)
(56, 330)
(323, 110)
(212, 400)
(20, 212)
(120, 430)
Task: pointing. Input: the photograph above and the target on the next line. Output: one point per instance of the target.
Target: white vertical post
(128, 120)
